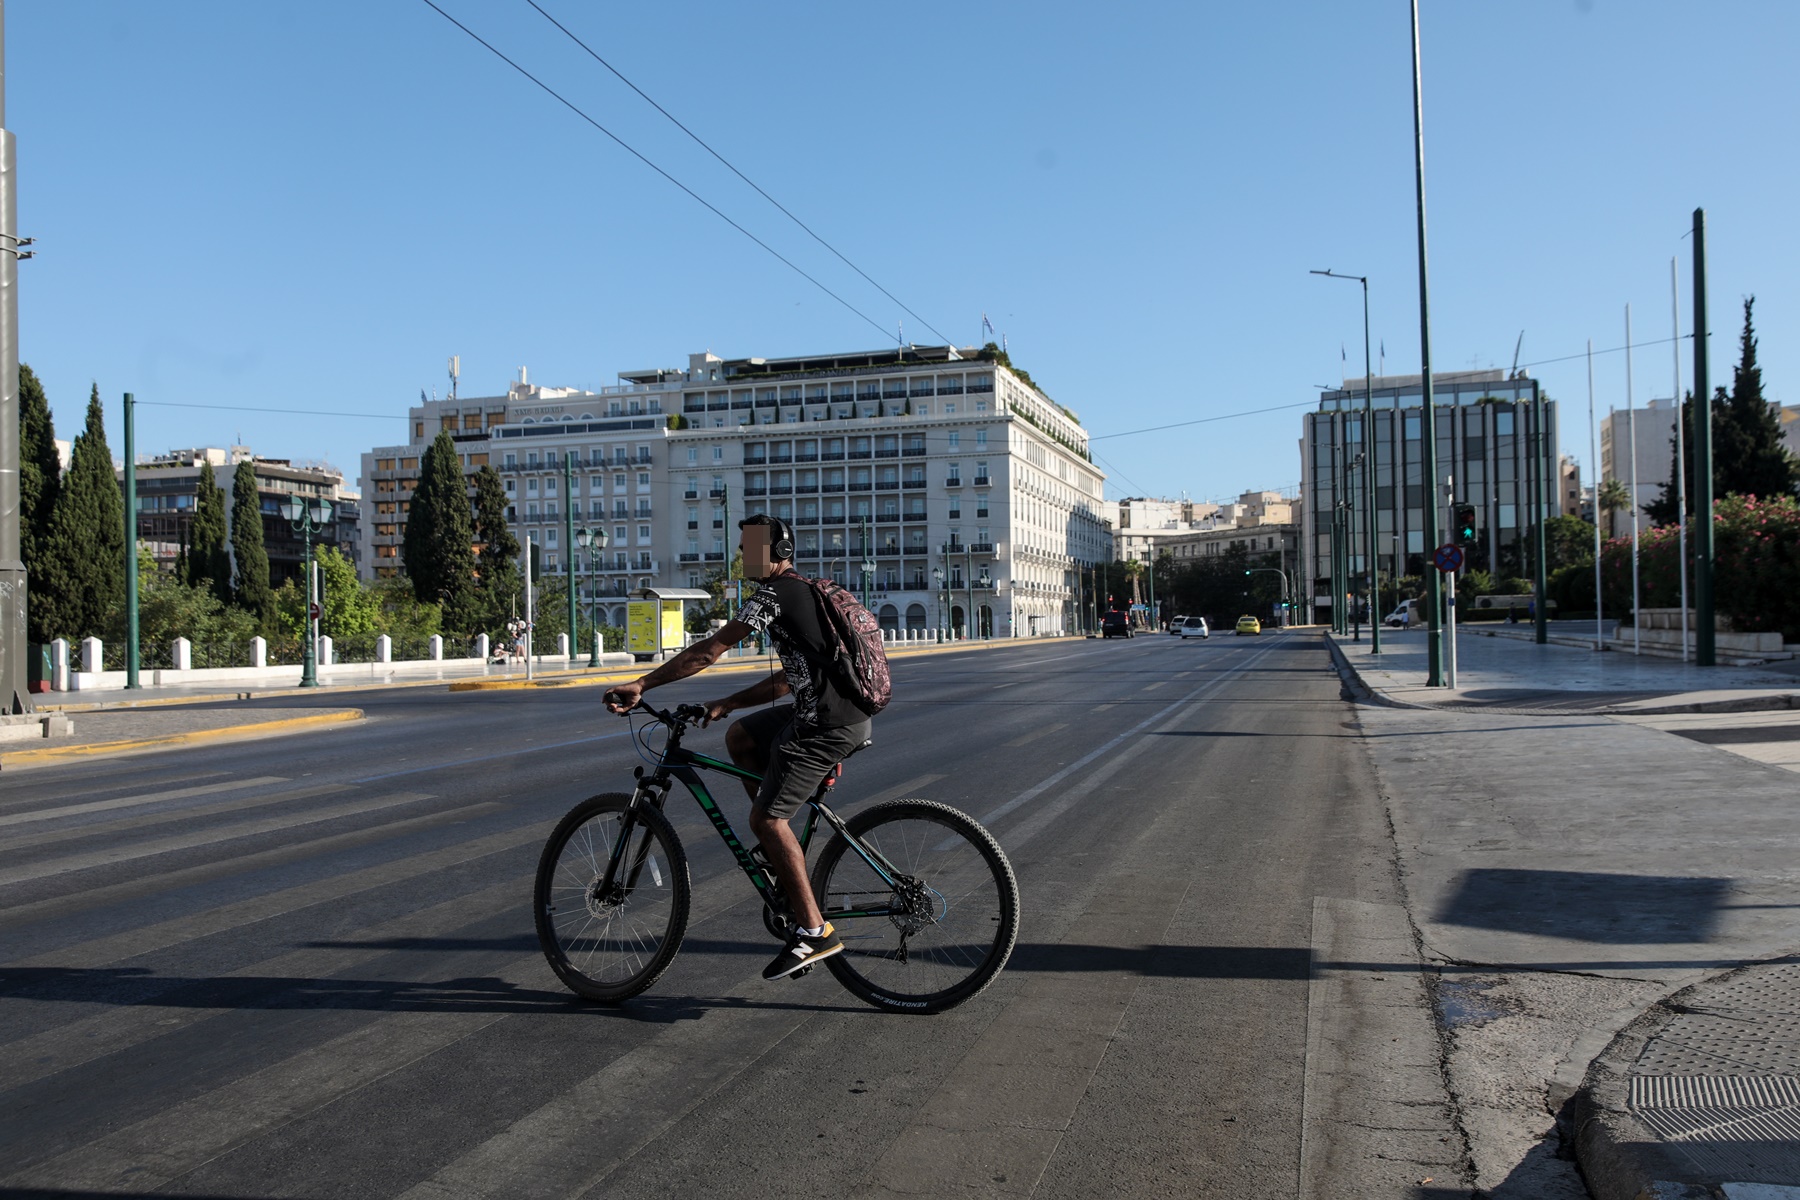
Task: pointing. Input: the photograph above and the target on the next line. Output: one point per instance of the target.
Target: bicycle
(922, 896)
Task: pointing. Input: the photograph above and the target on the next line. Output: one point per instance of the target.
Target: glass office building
(1496, 439)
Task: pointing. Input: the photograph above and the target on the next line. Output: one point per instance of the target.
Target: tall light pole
(596, 538)
(937, 574)
(569, 541)
(307, 519)
(15, 689)
(868, 563)
(1368, 438)
(1434, 588)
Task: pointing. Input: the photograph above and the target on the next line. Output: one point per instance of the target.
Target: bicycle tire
(962, 914)
(639, 932)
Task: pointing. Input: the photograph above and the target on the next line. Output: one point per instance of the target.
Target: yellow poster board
(640, 627)
(648, 632)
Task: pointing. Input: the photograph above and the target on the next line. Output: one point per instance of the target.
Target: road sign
(312, 612)
(1448, 557)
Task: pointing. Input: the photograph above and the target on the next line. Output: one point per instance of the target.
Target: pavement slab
(1609, 895)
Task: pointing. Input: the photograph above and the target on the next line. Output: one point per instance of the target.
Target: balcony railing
(715, 556)
(832, 456)
(861, 454)
(913, 452)
(895, 453)
(755, 461)
(982, 547)
(806, 520)
(953, 481)
(693, 556)
(806, 458)
(690, 494)
(756, 491)
(780, 489)
(917, 585)
(887, 485)
(914, 483)
(861, 486)
(831, 487)
(912, 515)
(983, 480)
(806, 487)
(887, 518)
(781, 458)
(887, 552)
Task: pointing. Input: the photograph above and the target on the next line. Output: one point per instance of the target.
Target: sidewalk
(1598, 853)
(134, 730)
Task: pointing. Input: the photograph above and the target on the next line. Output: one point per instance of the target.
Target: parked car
(1193, 627)
(1115, 624)
(1249, 624)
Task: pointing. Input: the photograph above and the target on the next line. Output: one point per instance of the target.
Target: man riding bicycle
(795, 746)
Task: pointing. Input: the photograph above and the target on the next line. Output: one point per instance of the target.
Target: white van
(1409, 613)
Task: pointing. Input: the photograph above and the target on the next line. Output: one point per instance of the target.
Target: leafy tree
(1567, 540)
(497, 564)
(438, 547)
(84, 562)
(349, 611)
(40, 479)
(250, 582)
(168, 608)
(207, 562)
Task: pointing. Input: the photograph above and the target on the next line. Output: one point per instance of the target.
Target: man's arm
(695, 659)
(764, 691)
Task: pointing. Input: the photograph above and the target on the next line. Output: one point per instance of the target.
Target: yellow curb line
(52, 754)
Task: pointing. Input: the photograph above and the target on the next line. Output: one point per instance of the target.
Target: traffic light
(1465, 524)
(536, 562)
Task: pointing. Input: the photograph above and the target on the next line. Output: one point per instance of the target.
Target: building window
(981, 439)
(693, 454)
(955, 439)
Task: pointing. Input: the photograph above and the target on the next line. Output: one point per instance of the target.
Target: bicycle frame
(678, 763)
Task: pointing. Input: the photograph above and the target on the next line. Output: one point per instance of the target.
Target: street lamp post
(1368, 438)
(595, 538)
(307, 519)
(938, 577)
(985, 582)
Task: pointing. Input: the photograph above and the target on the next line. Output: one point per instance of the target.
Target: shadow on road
(1588, 906)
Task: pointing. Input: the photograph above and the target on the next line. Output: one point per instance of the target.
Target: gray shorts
(796, 761)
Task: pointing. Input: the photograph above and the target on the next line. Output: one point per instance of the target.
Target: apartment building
(168, 483)
(614, 438)
(959, 495)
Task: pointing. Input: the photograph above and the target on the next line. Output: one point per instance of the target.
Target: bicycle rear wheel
(609, 944)
(937, 935)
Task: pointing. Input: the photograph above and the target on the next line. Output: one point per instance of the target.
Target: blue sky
(311, 206)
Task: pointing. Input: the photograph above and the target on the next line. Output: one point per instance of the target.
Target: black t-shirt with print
(787, 611)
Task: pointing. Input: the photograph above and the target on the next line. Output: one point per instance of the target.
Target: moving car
(1193, 627)
(1175, 624)
(1249, 624)
(1115, 624)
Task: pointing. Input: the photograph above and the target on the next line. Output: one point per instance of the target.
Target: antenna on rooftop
(1514, 373)
(455, 372)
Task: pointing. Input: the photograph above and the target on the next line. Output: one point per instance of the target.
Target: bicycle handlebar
(683, 716)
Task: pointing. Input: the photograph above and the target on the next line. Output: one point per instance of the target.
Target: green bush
(1756, 555)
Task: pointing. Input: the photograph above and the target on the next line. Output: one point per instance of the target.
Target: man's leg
(789, 864)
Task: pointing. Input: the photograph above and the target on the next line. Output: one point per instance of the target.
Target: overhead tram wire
(728, 166)
(1257, 412)
(628, 148)
(291, 412)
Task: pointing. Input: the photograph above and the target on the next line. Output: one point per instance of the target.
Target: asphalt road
(305, 966)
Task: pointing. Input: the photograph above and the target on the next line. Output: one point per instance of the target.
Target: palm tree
(1610, 498)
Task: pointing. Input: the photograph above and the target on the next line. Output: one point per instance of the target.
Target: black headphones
(781, 536)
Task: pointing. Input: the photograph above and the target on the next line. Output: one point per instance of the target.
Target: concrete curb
(228, 733)
(1366, 693)
(1620, 1158)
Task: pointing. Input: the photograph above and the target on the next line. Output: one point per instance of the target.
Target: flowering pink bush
(1756, 575)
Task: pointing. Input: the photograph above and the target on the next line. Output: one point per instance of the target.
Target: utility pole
(133, 650)
(1540, 444)
(569, 544)
(15, 690)
(1704, 642)
(1434, 588)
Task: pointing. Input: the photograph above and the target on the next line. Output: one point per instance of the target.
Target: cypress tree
(1750, 457)
(438, 543)
(84, 561)
(498, 562)
(208, 564)
(250, 582)
(40, 479)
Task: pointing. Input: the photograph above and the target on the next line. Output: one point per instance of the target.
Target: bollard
(324, 657)
(384, 649)
(437, 647)
(562, 645)
(92, 655)
(481, 646)
(59, 665)
(259, 651)
(183, 654)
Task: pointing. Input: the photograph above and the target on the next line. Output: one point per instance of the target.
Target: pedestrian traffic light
(1465, 524)
(536, 562)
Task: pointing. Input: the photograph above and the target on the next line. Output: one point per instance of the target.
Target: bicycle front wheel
(925, 903)
(610, 941)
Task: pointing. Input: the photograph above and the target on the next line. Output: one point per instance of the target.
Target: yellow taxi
(1249, 625)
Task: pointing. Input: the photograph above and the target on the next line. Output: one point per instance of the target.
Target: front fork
(652, 791)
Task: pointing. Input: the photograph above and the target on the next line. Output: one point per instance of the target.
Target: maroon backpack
(855, 645)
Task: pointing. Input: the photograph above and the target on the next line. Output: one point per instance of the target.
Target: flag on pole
(1343, 353)
(421, 395)
(987, 326)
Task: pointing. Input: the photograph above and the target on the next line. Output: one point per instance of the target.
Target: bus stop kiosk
(656, 620)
